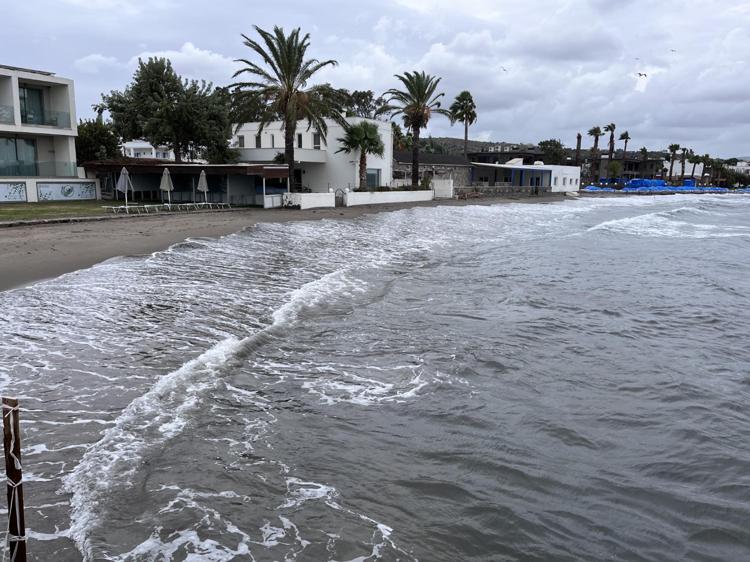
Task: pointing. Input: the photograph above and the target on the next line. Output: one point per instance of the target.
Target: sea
(558, 381)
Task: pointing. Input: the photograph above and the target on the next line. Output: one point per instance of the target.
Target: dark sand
(33, 253)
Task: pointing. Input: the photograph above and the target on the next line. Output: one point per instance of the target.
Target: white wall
(309, 200)
(443, 188)
(336, 170)
(564, 178)
(32, 190)
(354, 198)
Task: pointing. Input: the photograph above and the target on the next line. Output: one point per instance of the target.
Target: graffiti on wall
(66, 191)
(15, 191)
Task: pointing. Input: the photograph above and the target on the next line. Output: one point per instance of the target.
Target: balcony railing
(59, 119)
(6, 114)
(48, 169)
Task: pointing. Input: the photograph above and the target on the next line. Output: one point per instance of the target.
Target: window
(373, 177)
(32, 109)
(316, 141)
(299, 140)
(257, 141)
(555, 180)
(17, 157)
(241, 140)
(565, 181)
(273, 142)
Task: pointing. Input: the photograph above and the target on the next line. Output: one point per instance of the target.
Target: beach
(43, 251)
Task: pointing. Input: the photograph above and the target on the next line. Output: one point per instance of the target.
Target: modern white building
(741, 167)
(144, 149)
(37, 138)
(319, 167)
(515, 173)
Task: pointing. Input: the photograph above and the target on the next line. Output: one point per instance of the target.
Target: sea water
(560, 381)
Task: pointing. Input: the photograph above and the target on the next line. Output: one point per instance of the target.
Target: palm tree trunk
(289, 129)
(466, 139)
(692, 174)
(362, 169)
(624, 156)
(682, 170)
(415, 157)
(671, 165)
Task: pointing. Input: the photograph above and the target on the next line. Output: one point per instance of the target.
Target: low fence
(354, 198)
(498, 191)
(443, 188)
(32, 190)
(309, 200)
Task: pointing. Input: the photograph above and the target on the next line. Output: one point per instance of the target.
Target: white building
(318, 166)
(741, 167)
(143, 149)
(515, 173)
(37, 138)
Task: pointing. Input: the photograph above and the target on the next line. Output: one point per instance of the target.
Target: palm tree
(611, 130)
(579, 138)
(706, 160)
(644, 158)
(278, 89)
(673, 148)
(685, 151)
(694, 159)
(416, 103)
(365, 138)
(624, 137)
(464, 109)
(596, 132)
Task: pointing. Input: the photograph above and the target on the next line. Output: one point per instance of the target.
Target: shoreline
(30, 254)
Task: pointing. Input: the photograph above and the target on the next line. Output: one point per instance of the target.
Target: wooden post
(12, 444)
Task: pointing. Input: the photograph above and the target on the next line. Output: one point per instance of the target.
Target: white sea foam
(659, 225)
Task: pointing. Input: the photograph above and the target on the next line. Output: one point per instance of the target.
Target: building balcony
(269, 154)
(59, 119)
(48, 169)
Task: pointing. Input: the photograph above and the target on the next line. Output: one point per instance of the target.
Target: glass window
(373, 177)
(273, 142)
(316, 141)
(32, 109)
(257, 141)
(565, 181)
(299, 140)
(555, 180)
(241, 140)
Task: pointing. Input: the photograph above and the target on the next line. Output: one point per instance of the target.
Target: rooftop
(19, 69)
(429, 158)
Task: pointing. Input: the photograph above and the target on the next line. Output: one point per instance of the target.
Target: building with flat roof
(539, 176)
(144, 149)
(37, 138)
(319, 167)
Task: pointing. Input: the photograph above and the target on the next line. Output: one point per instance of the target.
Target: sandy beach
(34, 253)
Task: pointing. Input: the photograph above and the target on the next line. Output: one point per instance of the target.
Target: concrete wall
(354, 198)
(309, 200)
(32, 190)
(565, 178)
(443, 188)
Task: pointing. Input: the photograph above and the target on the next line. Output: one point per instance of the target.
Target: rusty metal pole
(12, 444)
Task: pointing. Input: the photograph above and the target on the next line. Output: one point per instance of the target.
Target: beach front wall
(309, 200)
(443, 188)
(49, 189)
(354, 198)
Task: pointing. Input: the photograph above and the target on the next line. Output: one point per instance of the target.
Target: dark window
(32, 109)
(273, 142)
(316, 141)
(242, 141)
(299, 140)
(257, 141)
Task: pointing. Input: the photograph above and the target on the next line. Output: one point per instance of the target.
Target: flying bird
(504, 69)
(673, 50)
(642, 75)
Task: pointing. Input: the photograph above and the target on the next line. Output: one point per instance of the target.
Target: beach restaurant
(236, 184)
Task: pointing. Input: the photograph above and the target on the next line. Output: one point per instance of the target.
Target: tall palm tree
(624, 137)
(416, 103)
(694, 159)
(611, 130)
(673, 148)
(596, 132)
(579, 138)
(685, 151)
(644, 157)
(365, 138)
(706, 161)
(278, 87)
(464, 110)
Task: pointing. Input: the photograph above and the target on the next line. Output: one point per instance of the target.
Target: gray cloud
(569, 64)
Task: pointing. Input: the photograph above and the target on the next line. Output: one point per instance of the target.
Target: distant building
(319, 166)
(143, 149)
(741, 167)
(528, 153)
(37, 138)
(437, 166)
(539, 176)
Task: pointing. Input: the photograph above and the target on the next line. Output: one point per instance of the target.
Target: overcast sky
(538, 69)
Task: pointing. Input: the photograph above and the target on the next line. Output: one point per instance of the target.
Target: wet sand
(34, 253)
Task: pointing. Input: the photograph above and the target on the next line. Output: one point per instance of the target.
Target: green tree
(614, 169)
(364, 138)
(673, 148)
(362, 103)
(626, 138)
(415, 103)
(554, 151)
(694, 159)
(190, 117)
(96, 140)
(400, 142)
(464, 110)
(596, 133)
(644, 160)
(278, 89)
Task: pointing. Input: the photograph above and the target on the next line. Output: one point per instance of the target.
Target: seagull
(504, 69)
(673, 50)
(637, 58)
(642, 75)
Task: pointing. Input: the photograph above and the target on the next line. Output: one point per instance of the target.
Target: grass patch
(50, 210)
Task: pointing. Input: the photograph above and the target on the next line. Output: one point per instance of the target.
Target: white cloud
(193, 62)
(95, 63)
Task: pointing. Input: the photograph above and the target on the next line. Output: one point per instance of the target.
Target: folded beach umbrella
(166, 184)
(203, 184)
(124, 183)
